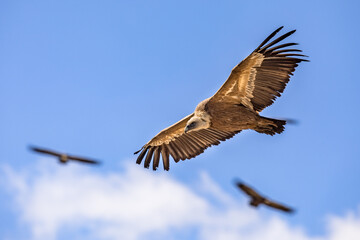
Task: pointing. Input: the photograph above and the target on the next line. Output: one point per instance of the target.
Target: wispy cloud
(140, 204)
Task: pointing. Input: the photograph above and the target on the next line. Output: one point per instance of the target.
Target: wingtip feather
(141, 156)
(138, 151)
(268, 38)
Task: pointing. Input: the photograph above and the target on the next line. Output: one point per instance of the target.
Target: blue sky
(100, 79)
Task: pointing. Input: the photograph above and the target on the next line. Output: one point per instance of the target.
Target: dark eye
(191, 125)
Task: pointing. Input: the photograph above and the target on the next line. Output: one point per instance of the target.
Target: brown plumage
(252, 85)
(257, 199)
(63, 157)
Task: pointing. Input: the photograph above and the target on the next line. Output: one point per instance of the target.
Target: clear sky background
(100, 78)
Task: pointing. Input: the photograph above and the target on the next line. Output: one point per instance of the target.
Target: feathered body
(236, 117)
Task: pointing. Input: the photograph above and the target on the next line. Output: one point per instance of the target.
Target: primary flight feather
(252, 85)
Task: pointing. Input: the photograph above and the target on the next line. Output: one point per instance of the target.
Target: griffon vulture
(257, 199)
(63, 157)
(252, 85)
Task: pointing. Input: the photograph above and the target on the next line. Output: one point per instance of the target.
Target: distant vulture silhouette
(257, 199)
(63, 157)
(252, 85)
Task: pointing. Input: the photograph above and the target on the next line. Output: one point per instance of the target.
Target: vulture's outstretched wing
(46, 151)
(180, 145)
(278, 206)
(249, 191)
(262, 76)
(82, 159)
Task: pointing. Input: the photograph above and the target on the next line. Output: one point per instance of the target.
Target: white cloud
(140, 204)
(347, 227)
(137, 201)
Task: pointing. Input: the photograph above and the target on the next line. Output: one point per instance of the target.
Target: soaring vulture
(257, 199)
(252, 85)
(63, 157)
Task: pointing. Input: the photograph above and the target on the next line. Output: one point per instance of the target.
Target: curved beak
(187, 129)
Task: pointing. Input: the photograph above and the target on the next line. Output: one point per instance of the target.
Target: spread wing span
(261, 199)
(57, 154)
(262, 76)
(180, 145)
(254, 83)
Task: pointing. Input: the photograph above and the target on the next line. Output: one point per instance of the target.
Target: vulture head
(196, 123)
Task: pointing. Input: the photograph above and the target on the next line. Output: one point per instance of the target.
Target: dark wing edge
(278, 206)
(43, 150)
(248, 190)
(274, 73)
(185, 146)
(82, 159)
